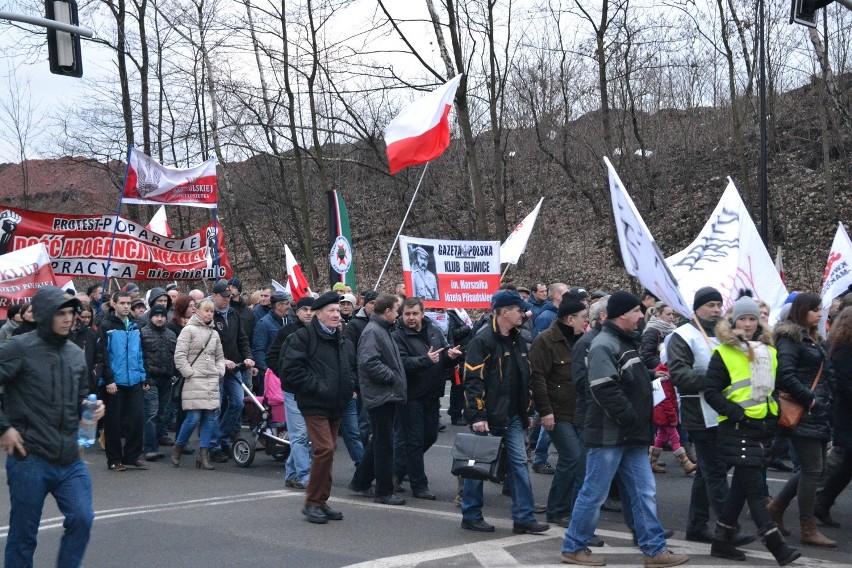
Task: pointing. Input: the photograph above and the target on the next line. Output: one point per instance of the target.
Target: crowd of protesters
(610, 381)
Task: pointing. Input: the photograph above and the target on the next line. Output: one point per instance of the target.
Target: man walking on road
(45, 381)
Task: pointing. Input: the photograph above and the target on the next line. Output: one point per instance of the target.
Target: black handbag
(479, 457)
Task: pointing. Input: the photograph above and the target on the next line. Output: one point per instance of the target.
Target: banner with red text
(79, 246)
(451, 274)
(150, 183)
(22, 273)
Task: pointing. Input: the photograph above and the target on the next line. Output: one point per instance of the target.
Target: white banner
(838, 276)
(451, 274)
(641, 255)
(516, 242)
(729, 255)
(22, 273)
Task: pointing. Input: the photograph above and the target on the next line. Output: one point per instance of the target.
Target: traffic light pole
(52, 24)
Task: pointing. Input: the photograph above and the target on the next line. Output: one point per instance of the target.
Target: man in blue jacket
(119, 361)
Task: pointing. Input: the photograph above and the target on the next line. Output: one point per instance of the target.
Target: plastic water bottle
(88, 425)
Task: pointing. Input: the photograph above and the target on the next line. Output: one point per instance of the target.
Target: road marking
(495, 556)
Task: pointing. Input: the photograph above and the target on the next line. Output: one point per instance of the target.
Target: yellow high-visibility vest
(739, 391)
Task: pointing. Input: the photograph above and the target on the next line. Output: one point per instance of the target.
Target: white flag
(729, 255)
(160, 223)
(838, 276)
(641, 255)
(516, 243)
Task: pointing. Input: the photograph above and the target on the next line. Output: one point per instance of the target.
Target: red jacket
(665, 413)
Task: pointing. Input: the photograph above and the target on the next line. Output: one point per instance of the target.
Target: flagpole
(502, 276)
(216, 240)
(115, 225)
(399, 232)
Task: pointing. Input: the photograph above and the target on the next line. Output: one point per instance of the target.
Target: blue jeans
(230, 407)
(542, 447)
(350, 432)
(299, 463)
(205, 433)
(632, 464)
(156, 398)
(30, 479)
(560, 498)
(518, 480)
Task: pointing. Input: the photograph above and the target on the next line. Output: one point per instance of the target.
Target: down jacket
(158, 350)
(45, 380)
(199, 342)
(799, 359)
(742, 441)
(425, 380)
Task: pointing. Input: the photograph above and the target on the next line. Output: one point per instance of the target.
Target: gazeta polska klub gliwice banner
(450, 274)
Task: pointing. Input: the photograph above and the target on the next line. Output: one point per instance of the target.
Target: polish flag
(159, 223)
(421, 132)
(22, 273)
(297, 284)
(779, 265)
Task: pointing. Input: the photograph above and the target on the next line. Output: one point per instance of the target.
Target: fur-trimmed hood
(728, 335)
(791, 330)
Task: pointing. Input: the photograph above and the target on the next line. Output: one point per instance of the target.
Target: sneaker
(154, 456)
(477, 526)
(666, 558)
(117, 466)
(425, 494)
(294, 483)
(392, 499)
(544, 468)
(138, 464)
(583, 558)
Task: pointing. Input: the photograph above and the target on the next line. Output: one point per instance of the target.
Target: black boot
(723, 545)
(774, 541)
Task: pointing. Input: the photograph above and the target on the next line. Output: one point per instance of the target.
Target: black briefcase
(479, 457)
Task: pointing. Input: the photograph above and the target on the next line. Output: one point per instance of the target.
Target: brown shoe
(685, 463)
(811, 535)
(583, 558)
(654, 456)
(666, 558)
(776, 513)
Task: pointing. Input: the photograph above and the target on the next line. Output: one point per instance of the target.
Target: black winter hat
(236, 283)
(159, 310)
(326, 299)
(571, 304)
(369, 295)
(304, 302)
(705, 295)
(620, 302)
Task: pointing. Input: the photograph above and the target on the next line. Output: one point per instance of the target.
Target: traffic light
(805, 11)
(63, 48)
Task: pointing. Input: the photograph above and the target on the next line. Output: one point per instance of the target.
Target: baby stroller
(266, 424)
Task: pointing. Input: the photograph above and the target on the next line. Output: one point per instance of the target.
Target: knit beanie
(571, 304)
(620, 303)
(705, 295)
(745, 306)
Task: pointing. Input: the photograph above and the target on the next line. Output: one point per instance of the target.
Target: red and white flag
(421, 132)
(160, 223)
(150, 183)
(22, 273)
(297, 284)
(779, 265)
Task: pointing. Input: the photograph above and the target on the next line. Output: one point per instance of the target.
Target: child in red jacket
(666, 419)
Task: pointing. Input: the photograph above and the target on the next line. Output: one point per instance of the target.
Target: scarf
(664, 327)
(760, 365)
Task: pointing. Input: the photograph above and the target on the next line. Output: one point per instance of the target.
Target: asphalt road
(246, 517)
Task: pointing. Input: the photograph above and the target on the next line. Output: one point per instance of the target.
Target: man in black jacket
(237, 351)
(45, 380)
(319, 366)
(617, 433)
(427, 359)
(497, 400)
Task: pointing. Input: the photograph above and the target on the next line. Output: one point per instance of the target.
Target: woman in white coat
(199, 359)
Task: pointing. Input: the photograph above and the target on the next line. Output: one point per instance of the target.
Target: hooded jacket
(158, 350)
(621, 399)
(264, 334)
(741, 441)
(200, 343)
(45, 380)
(118, 354)
(799, 359)
(545, 317)
(380, 370)
(355, 327)
(152, 297)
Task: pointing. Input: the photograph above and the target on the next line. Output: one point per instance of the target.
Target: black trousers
(746, 487)
(123, 417)
(378, 457)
